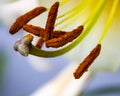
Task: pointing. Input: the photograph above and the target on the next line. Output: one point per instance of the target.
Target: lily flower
(100, 19)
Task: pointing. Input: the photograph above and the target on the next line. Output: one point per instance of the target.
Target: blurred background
(19, 78)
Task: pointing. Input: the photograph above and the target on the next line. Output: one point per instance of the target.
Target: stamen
(57, 33)
(38, 31)
(51, 21)
(40, 43)
(64, 39)
(22, 20)
(41, 53)
(87, 62)
(57, 38)
(110, 18)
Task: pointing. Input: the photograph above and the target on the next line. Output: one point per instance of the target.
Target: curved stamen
(41, 53)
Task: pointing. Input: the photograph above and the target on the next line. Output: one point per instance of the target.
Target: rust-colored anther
(87, 62)
(38, 31)
(64, 39)
(39, 43)
(57, 33)
(51, 21)
(22, 20)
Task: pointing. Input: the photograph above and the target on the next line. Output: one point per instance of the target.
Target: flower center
(58, 38)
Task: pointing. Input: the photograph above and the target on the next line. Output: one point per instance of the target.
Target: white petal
(63, 84)
(10, 11)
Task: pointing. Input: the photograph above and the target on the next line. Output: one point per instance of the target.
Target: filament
(63, 2)
(110, 18)
(73, 14)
